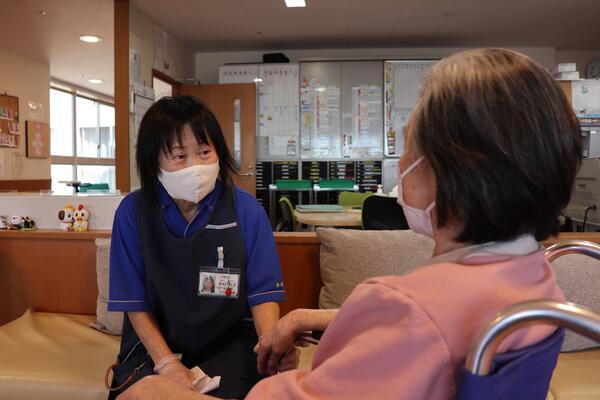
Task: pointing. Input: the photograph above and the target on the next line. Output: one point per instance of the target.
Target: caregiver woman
(188, 223)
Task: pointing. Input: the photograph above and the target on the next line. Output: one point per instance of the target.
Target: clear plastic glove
(171, 368)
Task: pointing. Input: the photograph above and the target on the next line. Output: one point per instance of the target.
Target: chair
(525, 373)
(383, 213)
(522, 374)
(288, 222)
(352, 198)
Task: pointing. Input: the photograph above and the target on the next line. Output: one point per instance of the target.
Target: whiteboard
(362, 109)
(402, 85)
(320, 110)
(278, 111)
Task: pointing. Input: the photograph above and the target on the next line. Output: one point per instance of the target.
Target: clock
(592, 71)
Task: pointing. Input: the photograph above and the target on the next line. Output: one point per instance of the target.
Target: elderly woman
(491, 154)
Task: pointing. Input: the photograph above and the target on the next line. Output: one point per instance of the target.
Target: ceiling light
(43, 12)
(295, 3)
(258, 80)
(95, 81)
(90, 38)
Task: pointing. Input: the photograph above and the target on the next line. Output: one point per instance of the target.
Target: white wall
(29, 80)
(207, 64)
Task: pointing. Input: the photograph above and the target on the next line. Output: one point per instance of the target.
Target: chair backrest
(523, 374)
(383, 213)
(287, 213)
(352, 198)
(94, 187)
(293, 184)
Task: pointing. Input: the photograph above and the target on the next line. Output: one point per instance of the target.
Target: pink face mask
(418, 220)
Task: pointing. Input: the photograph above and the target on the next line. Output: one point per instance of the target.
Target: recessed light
(90, 38)
(42, 12)
(295, 3)
(95, 81)
(258, 80)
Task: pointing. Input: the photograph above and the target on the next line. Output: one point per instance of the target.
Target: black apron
(215, 334)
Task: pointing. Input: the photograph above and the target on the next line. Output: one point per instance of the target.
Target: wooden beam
(122, 95)
(26, 185)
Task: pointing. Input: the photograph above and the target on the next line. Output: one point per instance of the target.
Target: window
(82, 140)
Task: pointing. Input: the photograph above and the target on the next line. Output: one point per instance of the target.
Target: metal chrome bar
(568, 315)
(573, 247)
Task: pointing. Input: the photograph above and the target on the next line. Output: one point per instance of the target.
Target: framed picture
(38, 139)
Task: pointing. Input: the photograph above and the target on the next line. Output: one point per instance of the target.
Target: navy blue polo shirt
(127, 288)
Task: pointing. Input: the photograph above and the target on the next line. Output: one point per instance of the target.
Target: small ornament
(28, 224)
(81, 217)
(16, 221)
(66, 218)
(4, 222)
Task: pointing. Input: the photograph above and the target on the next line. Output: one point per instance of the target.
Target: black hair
(503, 142)
(162, 126)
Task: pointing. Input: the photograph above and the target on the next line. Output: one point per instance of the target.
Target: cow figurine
(28, 224)
(80, 218)
(66, 218)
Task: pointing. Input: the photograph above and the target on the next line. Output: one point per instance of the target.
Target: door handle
(247, 174)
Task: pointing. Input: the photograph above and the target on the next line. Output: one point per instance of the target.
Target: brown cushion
(576, 376)
(348, 257)
(578, 276)
(106, 321)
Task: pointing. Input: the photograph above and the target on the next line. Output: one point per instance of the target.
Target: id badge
(219, 282)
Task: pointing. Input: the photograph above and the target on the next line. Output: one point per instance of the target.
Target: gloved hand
(171, 368)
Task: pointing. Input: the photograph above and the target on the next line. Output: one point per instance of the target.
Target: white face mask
(418, 220)
(191, 183)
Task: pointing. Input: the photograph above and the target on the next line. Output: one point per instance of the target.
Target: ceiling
(54, 38)
(213, 25)
(224, 25)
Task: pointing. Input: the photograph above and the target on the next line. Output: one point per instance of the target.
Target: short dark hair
(162, 126)
(503, 142)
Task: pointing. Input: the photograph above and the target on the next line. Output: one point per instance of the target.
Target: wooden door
(222, 100)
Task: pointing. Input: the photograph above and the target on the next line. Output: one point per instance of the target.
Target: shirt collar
(521, 245)
(210, 200)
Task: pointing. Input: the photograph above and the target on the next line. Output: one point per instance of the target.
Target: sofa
(57, 355)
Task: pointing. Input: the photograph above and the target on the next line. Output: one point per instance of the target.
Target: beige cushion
(106, 321)
(577, 376)
(348, 257)
(54, 357)
(578, 277)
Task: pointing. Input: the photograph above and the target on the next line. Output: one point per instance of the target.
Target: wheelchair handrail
(568, 315)
(572, 246)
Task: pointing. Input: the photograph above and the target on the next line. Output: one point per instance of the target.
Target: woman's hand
(176, 372)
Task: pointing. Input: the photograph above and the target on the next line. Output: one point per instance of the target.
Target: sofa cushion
(54, 357)
(348, 257)
(106, 321)
(578, 276)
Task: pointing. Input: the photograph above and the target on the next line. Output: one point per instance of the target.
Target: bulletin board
(242, 73)
(402, 85)
(9, 121)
